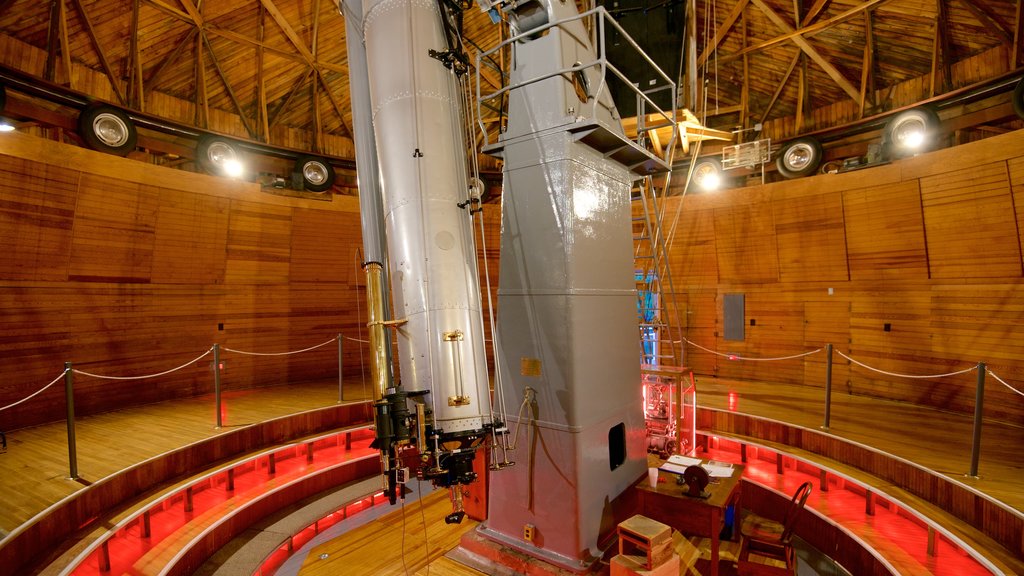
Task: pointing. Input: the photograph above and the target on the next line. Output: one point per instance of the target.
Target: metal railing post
(828, 386)
(979, 402)
(216, 382)
(69, 400)
(341, 390)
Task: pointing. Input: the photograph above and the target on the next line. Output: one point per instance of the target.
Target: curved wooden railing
(993, 521)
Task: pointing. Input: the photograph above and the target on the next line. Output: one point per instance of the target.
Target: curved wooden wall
(913, 267)
(125, 268)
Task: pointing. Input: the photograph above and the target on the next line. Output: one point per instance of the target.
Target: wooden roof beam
(99, 51)
(867, 83)
(781, 86)
(813, 53)
(722, 31)
(807, 30)
(814, 12)
(172, 56)
(987, 18)
(289, 32)
(227, 86)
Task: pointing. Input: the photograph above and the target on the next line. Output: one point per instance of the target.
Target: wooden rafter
(227, 85)
(867, 88)
(722, 31)
(201, 97)
(239, 38)
(289, 32)
(261, 78)
(135, 84)
(940, 75)
(52, 33)
(801, 94)
(172, 57)
(813, 12)
(812, 52)
(65, 48)
(989, 19)
(318, 124)
(99, 51)
(287, 99)
(812, 29)
(781, 86)
(335, 104)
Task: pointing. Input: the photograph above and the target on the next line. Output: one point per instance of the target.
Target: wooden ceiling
(275, 70)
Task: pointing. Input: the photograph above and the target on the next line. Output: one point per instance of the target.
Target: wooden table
(703, 517)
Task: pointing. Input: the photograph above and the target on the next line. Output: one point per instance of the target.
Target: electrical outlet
(529, 532)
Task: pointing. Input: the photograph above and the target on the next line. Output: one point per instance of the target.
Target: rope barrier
(36, 393)
(226, 349)
(990, 373)
(185, 365)
(356, 339)
(863, 365)
(736, 357)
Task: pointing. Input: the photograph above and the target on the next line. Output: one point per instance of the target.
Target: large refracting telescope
(437, 414)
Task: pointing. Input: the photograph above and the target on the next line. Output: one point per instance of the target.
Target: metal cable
(40, 391)
(226, 349)
(185, 365)
(990, 373)
(736, 357)
(863, 365)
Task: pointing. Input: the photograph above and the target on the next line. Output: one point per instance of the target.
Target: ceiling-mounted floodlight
(911, 132)
(220, 157)
(707, 174)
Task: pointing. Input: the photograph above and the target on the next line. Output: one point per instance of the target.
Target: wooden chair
(771, 540)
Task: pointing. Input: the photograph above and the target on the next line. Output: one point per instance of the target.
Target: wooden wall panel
(324, 246)
(745, 241)
(885, 232)
(259, 244)
(114, 233)
(935, 285)
(967, 214)
(191, 239)
(37, 204)
(810, 237)
(128, 269)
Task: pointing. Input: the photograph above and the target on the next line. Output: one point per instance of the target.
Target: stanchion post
(216, 382)
(341, 393)
(979, 402)
(69, 400)
(828, 386)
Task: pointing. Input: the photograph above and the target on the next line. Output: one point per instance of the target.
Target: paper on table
(718, 471)
(683, 460)
(677, 464)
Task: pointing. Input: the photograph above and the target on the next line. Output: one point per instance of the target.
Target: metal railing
(603, 19)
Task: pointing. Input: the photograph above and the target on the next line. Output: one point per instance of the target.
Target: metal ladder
(657, 313)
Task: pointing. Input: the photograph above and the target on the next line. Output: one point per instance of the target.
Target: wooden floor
(33, 472)
(402, 542)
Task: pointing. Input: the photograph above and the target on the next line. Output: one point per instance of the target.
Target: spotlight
(710, 181)
(6, 126)
(232, 168)
(707, 174)
(911, 131)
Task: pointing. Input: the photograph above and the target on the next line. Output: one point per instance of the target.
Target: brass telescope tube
(379, 370)
(375, 325)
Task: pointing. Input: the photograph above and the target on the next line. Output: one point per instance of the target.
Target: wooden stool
(650, 537)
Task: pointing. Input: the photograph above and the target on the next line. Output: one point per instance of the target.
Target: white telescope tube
(435, 286)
